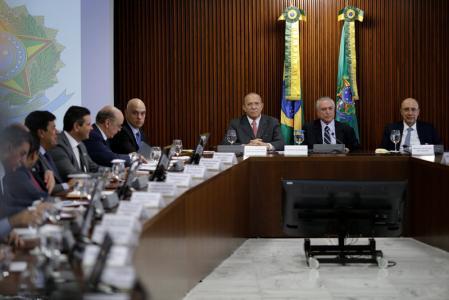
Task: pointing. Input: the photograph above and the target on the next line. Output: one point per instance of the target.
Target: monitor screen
(162, 166)
(198, 153)
(324, 208)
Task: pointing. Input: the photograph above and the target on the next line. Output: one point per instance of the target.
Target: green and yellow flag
(347, 68)
(291, 103)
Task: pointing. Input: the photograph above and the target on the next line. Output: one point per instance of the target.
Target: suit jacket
(38, 171)
(124, 141)
(426, 134)
(65, 159)
(100, 151)
(6, 210)
(268, 131)
(344, 135)
(22, 189)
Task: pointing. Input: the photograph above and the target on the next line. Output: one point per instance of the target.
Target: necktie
(82, 166)
(34, 181)
(407, 138)
(254, 125)
(327, 136)
(138, 138)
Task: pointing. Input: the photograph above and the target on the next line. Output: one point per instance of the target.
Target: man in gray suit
(70, 155)
(254, 128)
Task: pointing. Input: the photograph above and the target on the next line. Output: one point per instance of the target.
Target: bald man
(130, 138)
(109, 122)
(413, 132)
(255, 128)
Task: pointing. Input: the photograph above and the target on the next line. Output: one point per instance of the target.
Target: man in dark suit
(413, 132)
(130, 138)
(255, 129)
(42, 127)
(70, 154)
(13, 151)
(326, 130)
(109, 121)
(22, 184)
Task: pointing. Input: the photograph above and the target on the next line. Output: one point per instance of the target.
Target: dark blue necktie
(138, 138)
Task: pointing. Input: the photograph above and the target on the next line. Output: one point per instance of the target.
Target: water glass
(231, 136)
(118, 168)
(155, 154)
(298, 136)
(177, 144)
(395, 137)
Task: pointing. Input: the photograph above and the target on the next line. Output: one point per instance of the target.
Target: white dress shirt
(414, 139)
(331, 126)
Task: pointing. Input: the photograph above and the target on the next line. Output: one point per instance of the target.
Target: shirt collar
(251, 120)
(406, 126)
(73, 143)
(102, 133)
(331, 124)
(133, 129)
(42, 150)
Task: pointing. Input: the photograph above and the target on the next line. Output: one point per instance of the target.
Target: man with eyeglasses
(413, 132)
(109, 122)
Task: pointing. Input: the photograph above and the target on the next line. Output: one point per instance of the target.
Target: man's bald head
(110, 120)
(135, 112)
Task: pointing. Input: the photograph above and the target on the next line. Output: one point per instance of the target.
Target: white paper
(18, 266)
(119, 277)
(118, 256)
(130, 208)
(120, 235)
(211, 164)
(226, 158)
(147, 199)
(164, 188)
(179, 179)
(418, 150)
(255, 151)
(295, 150)
(196, 171)
(445, 159)
(127, 221)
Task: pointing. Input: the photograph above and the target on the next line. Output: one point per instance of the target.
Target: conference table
(184, 241)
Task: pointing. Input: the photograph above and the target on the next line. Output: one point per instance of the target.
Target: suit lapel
(317, 132)
(262, 126)
(130, 134)
(246, 127)
(68, 148)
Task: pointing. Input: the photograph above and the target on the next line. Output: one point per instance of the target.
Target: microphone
(336, 139)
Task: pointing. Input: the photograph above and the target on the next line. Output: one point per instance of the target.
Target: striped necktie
(327, 136)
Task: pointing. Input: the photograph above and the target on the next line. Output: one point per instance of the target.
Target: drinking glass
(395, 137)
(178, 147)
(155, 154)
(298, 136)
(231, 136)
(118, 168)
(6, 256)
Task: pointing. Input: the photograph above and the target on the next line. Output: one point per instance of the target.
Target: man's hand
(49, 179)
(259, 142)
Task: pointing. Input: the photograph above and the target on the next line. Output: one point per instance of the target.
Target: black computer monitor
(334, 208)
(198, 153)
(159, 173)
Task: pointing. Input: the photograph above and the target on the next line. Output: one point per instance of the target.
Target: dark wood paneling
(190, 237)
(192, 61)
(430, 205)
